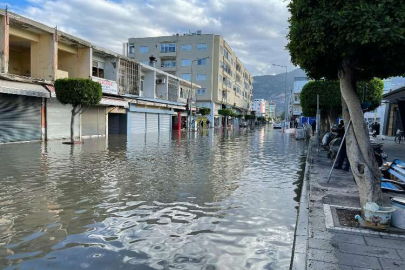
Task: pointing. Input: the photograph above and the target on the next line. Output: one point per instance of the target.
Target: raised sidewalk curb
(300, 247)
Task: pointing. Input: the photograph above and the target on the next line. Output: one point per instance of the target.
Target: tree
(78, 93)
(204, 111)
(330, 103)
(350, 41)
(226, 113)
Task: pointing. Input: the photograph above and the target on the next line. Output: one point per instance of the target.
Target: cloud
(255, 29)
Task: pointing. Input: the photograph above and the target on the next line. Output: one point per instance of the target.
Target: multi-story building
(259, 107)
(206, 59)
(271, 110)
(296, 109)
(136, 98)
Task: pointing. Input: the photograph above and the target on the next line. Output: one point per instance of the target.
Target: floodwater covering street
(212, 201)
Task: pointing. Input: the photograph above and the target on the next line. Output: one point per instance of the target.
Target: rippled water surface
(212, 201)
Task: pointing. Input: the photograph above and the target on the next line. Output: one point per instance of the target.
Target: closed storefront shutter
(137, 123)
(152, 123)
(58, 120)
(165, 122)
(20, 118)
(93, 121)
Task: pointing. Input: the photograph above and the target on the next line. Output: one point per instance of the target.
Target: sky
(255, 29)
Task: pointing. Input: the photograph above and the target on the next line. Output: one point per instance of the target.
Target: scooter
(379, 153)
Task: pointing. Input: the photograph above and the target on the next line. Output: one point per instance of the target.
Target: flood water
(209, 201)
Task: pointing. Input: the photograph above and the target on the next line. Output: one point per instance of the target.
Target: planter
(398, 217)
(377, 217)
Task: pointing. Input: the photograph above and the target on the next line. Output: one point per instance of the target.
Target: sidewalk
(317, 247)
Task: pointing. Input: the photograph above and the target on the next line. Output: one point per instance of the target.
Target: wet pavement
(212, 201)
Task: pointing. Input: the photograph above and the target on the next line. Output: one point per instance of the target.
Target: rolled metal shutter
(164, 122)
(137, 123)
(93, 121)
(152, 123)
(58, 120)
(20, 118)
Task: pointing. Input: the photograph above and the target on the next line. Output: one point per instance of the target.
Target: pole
(318, 119)
(340, 147)
(189, 99)
(285, 94)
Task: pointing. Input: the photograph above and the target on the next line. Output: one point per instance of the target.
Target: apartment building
(271, 110)
(296, 109)
(205, 59)
(259, 107)
(137, 98)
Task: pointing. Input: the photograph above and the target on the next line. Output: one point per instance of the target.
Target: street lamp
(190, 92)
(285, 90)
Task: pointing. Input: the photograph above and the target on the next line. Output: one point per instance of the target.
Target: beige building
(224, 81)
(137, 98)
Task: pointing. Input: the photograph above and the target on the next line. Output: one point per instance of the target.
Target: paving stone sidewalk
(318, 248)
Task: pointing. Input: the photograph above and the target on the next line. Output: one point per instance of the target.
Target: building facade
(296, 109)
(271, 110)
(259, 107)
(137, 98)
(205, 59)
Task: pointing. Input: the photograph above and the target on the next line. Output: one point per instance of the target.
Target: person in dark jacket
(342, 157)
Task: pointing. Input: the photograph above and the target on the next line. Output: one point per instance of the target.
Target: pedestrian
(342, 157)
(208, 123)
(313, 128)
(376, 128)
(202, 123)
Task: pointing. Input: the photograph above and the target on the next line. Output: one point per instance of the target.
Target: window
(98, 69)
(167, 47)
(186, 47)
(202, 62)
(186, 76)
(201, 77)
(221, 49)
(185, 62)
(143, 49)
(220, 78)
(201, 91)
(169, 63)
(296, 99)
(131, 48)
(227, 68)
(201, 46)
(227, 54)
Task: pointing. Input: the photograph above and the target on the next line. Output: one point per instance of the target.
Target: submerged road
(212, 201)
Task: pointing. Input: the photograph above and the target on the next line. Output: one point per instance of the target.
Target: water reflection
(213, 200)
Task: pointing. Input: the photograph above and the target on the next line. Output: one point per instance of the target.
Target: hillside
(271, 87)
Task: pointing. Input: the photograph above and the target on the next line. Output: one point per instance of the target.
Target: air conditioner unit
(160, 81)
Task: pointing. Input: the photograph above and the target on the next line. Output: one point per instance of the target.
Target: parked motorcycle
(379, 153)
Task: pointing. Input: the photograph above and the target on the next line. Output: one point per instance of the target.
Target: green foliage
(239, 116)
(261, 119)
(78, 91)
(249, 116)
(225, 112)
(204, 111)
(369, 34)
(330, 98)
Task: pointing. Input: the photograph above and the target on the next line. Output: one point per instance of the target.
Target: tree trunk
(72, 122)
(332, 115)
(324, 124)
(359, 150)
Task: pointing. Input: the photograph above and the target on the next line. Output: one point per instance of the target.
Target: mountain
(271, 87)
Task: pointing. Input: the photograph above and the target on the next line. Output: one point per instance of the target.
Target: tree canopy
(204, 111)
(225, 112)
(368, 33)
(330, 97)
(78, 91)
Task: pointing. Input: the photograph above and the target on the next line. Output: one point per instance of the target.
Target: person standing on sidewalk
(313, 128)
(342, 157)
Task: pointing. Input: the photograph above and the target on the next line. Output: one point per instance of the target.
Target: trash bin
(398, 217)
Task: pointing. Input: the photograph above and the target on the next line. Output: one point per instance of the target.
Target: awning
(393, 96)
(114, 102)
(24, 89)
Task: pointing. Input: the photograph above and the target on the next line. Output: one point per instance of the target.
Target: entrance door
(20, 118)
(117, 123)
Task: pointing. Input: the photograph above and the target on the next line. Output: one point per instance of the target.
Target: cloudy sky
(255, 29)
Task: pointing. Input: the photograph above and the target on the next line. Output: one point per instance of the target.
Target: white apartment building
(296, 109)
(205, 59)
(259, 107)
